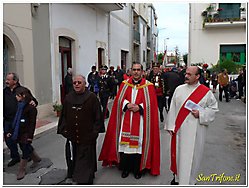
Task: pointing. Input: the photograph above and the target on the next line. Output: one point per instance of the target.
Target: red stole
(196, 97)
(131, 128)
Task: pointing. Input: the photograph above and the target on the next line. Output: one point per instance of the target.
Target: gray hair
(15, 76)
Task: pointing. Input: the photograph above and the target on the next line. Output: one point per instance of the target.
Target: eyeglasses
(77, 82)
(136, 69)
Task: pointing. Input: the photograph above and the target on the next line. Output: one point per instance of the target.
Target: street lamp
(165, 50)
(158, 39)
(165, 43)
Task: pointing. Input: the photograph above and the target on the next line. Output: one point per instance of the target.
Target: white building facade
(120, 38)
(217, 31)
(79, 39)
(42, 40)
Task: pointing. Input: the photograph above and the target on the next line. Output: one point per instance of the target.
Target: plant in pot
(57, 108)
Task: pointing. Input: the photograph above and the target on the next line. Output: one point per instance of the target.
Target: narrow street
(224, 153)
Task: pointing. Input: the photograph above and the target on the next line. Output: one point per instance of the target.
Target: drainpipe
(109, 38)
(55, 82)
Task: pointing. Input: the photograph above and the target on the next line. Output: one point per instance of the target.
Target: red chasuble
(151, 133)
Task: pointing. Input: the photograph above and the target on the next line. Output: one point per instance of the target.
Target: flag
(165, 59)
(155, 57)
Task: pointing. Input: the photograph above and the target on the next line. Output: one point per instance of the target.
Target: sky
(173, 23)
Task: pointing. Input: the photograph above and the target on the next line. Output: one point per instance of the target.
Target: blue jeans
(11, 144)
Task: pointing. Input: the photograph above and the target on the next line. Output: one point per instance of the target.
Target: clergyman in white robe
(191, 135)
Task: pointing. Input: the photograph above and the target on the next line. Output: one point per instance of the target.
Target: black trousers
(225, 89)
(11, 144)
(27, 150)
(104, 102)
(240, 87)
(130, 162)
(69, 150)
(161, 103)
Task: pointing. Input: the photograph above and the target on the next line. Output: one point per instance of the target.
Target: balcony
(108, 7)
(136, 38)
(148, 45)
(227, 22)
(224, 15)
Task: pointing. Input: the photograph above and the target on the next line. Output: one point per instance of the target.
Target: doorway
(124, 60)
(65, 62)
(100, 57)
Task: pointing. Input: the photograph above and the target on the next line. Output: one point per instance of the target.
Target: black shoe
(107, 115)
(125, 174)
(102, 130)
(138, 175)
(161, 118)
(173, 182)
(13, 162)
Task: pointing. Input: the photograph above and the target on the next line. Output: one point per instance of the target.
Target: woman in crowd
(23, 129)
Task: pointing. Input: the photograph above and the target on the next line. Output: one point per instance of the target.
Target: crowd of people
(132, 139)
(132, 135)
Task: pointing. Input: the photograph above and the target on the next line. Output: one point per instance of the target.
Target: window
(223, 56)
(229, 10)
(236, 57)
(236, 53)
(143, 30)
(144, 56)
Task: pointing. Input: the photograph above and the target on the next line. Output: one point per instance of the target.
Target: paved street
(225, 152)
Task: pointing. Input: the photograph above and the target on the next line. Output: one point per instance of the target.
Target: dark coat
(10, 103)
(173, 80)
(93, 80)
(68, 83)
(81, 118)
(27, 124)
(80, 122)
(119, 75)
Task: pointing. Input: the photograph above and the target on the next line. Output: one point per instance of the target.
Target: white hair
(69, 70)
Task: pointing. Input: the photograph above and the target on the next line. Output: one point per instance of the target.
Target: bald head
(192, 75)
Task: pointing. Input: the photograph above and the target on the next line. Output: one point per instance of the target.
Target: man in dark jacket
(80, 122)
(158, 79)
(9, 112)
(93, 80)
(69, 81)
(173, 80)
(119, 75)
(105, 90)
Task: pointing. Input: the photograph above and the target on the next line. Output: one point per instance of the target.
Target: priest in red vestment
(132, 140)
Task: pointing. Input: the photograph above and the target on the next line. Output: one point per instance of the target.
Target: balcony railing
(136, 36)
(215, 16)
(224, 22)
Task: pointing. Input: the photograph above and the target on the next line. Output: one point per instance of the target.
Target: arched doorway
(8, 57)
